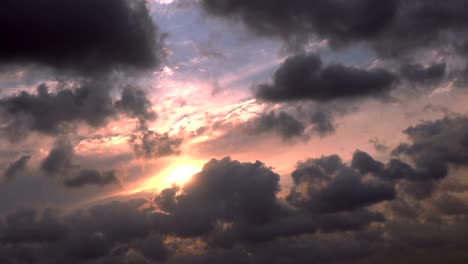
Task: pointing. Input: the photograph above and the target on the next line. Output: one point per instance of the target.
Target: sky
(233, 131)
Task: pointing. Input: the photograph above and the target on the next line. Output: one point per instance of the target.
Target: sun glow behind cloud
(178, 173)
(181, 174)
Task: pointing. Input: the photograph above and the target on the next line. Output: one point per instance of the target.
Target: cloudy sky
(233, 131)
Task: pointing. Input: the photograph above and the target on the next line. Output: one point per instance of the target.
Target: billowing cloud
(328, 185)
(281, 123)
(110, 233)
(150, 144)
(231, 207)
(59, 163)
(59, 158)
(303, 77)
(84, 37)
(135, 103)
(436, 145)
(90, 102)
(391, 28)
(298, 20)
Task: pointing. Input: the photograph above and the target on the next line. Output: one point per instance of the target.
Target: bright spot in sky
(180, 174)
(164, 1)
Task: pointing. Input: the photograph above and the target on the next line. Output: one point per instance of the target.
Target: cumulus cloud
(59, 158)
(281, 123)
(85, 37)
(59, 163)
(134, 102)
(296, 20)
(391, 28)
(109, 233)
(150, 144)
(435, 145)
(328, 185)
(233, 209)
(303, 77)
(88, 102)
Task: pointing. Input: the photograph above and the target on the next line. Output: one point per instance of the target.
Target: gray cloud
(418, 73)
(59, 163)
(233, 210)
(91, 177)
(150, 144)
(16, 167)
(281, 123)
(435, 145)
(328, 185)
(134, 103)
(303, 77)
(73, 36)
(59, 158)
(391, 28)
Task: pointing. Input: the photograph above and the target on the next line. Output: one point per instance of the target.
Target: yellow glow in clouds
(181, 173)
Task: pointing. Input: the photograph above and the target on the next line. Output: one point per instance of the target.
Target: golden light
(181, 173)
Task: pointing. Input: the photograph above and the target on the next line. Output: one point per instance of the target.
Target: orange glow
(180, 174)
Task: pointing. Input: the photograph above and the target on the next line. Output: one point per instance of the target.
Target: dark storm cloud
(322, 122)
(59, 162)
(451, 205)
(59, 158)
(91, 177)
(419, 73)
(281, 123)
(231, 211)
(339, 21)
(287, 126)
(393, 171)
(303, 77)
(106, 233)
(51, 112)
(435, 145)
(28, 226)
(391, 27)
(150, 144)
(240, 204)
(229, 191)
(328, 185)
(87, 102)
(16, 167)
(395, 31)
(135, 103)
(86, 37)
(92, 48)
(432, 147)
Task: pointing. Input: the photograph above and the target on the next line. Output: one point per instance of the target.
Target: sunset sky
(233, 131)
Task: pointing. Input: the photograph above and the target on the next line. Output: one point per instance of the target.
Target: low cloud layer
(358, 212)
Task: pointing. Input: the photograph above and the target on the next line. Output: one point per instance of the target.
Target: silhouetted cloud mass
(303, 77)
(85, 37)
